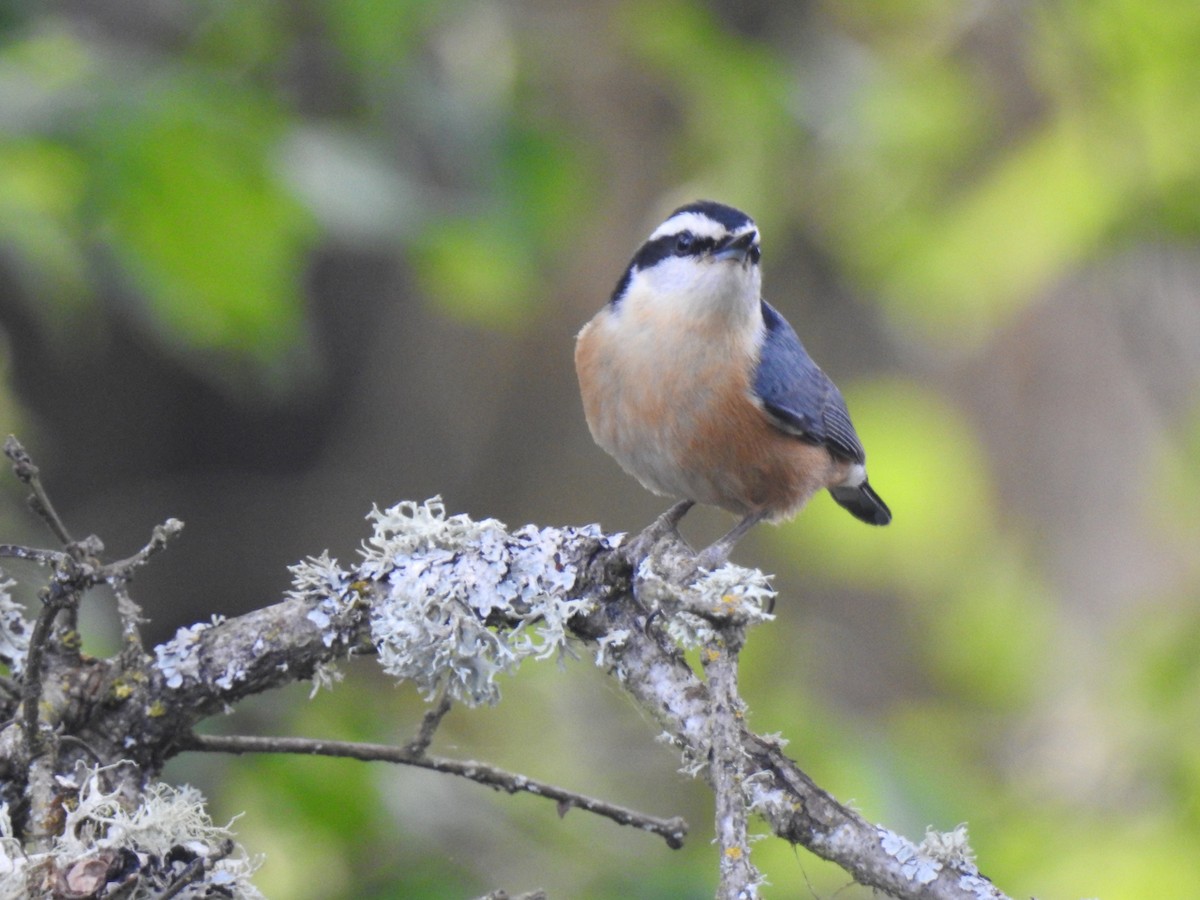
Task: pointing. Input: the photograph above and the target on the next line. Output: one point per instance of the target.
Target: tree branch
(671, 830)
(655, 673)
(727, 771)
(29, 475)
(60, 596)
(448, 604)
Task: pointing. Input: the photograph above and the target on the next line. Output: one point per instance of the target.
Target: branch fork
(449, 603)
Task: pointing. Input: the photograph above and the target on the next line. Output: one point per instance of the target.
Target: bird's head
(702, 260)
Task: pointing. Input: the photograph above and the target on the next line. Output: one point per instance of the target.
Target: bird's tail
(863, 503)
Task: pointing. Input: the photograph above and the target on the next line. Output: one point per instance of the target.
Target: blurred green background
(263, 264)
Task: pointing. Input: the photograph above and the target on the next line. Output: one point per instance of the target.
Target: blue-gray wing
(797, 395)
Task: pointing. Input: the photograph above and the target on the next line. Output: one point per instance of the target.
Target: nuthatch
(702, 391)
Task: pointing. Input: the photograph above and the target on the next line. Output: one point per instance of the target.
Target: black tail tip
(862, 503)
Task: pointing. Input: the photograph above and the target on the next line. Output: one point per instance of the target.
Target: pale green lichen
(949, 847)
(694, 615)
(325, 675)
(455, 602)
(178, 659)
(463, 601)
(607, 643)
(158, 834)
(14, 629)
(938, 850)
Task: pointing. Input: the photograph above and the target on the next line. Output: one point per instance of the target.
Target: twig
(88, 571)
(131, 617)
(42, 557)
(285, 641)
(118, 575)
(429, 723)
(122, 569)
(76, 570)
(670, 830)
(27, 472)
(91, 571)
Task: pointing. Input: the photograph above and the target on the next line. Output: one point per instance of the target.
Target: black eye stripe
(660, 248)
(697, 246)
(655, 251)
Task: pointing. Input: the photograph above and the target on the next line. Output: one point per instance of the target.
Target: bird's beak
(736, 249)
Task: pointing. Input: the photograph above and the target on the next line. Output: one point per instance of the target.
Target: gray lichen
(178, 660)
(455, 602)
(14, 629)
(153, 841)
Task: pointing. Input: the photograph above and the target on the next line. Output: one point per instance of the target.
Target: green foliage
(987, 638)
(956, 248)
(168, 170)
(737, 132)
(186, 200)
(487, 266)
(41, 194)
(376, 39)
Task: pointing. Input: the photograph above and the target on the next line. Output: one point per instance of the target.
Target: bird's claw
(665, 525)
(712, 558)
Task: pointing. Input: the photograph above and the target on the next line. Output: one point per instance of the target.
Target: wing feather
(797, 395)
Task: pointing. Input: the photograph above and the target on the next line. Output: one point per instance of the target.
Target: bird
(702, 391)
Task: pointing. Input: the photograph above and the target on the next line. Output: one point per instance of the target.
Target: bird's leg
(717, 554)
(667, 523)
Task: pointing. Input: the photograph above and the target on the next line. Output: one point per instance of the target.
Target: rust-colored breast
(752, 465)
(677, 414)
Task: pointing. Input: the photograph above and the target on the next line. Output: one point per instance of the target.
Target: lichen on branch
(448, 604)
(454, 602)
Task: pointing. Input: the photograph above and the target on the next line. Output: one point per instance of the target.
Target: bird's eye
(755, 254)
(683, 243)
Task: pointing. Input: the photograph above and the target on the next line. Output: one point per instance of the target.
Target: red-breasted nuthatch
(702, 391)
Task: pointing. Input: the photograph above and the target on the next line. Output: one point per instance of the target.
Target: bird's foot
(713, 556)
(717, 553)
(666, 524)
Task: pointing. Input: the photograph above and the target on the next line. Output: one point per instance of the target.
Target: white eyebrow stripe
(697, 223)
